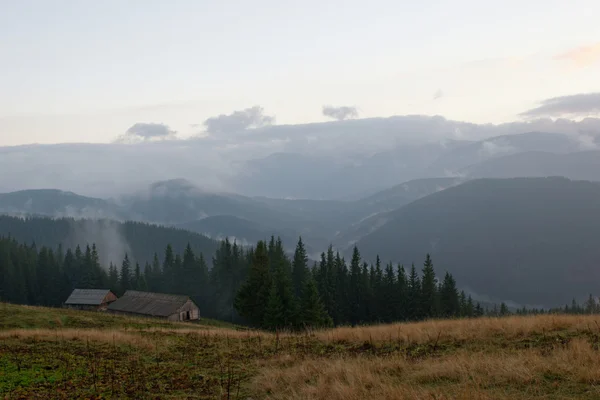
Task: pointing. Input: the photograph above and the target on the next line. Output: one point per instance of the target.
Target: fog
(229, 153)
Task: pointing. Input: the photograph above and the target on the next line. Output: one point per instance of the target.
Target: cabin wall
(188, 312)
(109, 298)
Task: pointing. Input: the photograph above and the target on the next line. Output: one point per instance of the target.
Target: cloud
(587, 142)
(438, 94)
(150, 131)
(496, 147)
(578, 105)
(238, 121)
(340, 113)
(142, 131)
(581, 57)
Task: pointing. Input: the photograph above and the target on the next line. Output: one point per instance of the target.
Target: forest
(260, 286)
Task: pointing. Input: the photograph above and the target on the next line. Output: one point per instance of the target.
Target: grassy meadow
(55, 353)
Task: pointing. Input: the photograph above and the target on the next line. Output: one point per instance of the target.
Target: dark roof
(92, 297)
(146, 303)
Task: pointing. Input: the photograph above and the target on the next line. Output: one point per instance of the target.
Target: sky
(83, 71)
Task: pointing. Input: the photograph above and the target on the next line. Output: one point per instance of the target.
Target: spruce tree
(413, 304)
(390, 303)
(113, 277)
(312, 311)
(429, 294)
(354, 293)
(299, 268)
(450, 304)
(273, 314)
(125, 277)
(137, 277)
(251, 300)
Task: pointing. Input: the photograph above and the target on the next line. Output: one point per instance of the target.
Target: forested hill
(139, 240)
(530, 240)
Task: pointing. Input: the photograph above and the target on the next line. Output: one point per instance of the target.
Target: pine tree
(299, 268)
(429, 300)
(288, 307)
(449, 298)
(125, 277)
(251, 300)
(366, 296)
(341, 312)
(470, 308)
(137, 277)
(390, 303)
(273, 314)
(413, 305)
(113, 278)
(354, 294)
(313, 314)
(168, 271)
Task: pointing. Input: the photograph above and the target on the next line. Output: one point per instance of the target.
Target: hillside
(584, 165)
(527, 240)
(139, 240)
(57, 203)
(499, 146)
(55, 353)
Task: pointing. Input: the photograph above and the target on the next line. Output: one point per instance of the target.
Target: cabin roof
(147, 303)
(93, 297)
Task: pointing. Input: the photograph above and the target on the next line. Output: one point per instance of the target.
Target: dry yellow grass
(464, 330)
(528, 374)
(540, 357)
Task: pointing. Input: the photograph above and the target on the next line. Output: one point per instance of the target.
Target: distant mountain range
(494, 235)
(524, 239)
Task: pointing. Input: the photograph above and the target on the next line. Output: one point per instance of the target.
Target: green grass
(29, 317)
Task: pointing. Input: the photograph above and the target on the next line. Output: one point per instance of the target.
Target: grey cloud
(238, 121)
(141, 132)
(438, 94)
(150, 130)
(340, 113)
(575, 105)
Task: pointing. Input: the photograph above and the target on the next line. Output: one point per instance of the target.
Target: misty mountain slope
(583, 165)
(406, 192)
(465, 156)
(292, 175)
(528, 240)
(372, 212)
(114, 239)
(178, 200)
(53, 202)
(244, 231)
(355, 156)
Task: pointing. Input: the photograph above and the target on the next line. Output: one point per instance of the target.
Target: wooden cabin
(90, 299)
(159, 305)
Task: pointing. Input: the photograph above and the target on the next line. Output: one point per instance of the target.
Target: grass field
(51, 353)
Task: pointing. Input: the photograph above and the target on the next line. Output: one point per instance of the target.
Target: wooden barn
(167, 306)
(90, 299)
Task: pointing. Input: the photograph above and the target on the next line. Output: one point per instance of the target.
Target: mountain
(52, 202)
(583, 165)
(113, 239)
(527, 240)
(406, 192)
(371, 212)
(464, 156)
(177, 201)
(327, 177)
(241, 230)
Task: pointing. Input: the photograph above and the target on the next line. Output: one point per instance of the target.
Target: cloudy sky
(83, 71)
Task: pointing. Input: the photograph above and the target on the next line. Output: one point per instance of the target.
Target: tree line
(260, 286)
